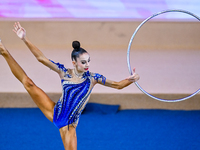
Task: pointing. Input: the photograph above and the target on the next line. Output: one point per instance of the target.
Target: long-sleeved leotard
(74, 97)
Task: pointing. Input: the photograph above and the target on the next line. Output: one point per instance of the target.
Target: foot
(2, 48)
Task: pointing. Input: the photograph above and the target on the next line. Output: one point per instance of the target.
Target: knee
(28, 83)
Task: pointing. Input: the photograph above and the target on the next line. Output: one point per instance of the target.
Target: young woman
(77, 84)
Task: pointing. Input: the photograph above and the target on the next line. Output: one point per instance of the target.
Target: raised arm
(21, 33)
(123, 83)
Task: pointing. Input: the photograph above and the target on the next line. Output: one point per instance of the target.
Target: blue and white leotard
(74, 97)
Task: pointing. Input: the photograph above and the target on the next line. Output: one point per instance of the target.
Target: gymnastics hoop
(128, 57)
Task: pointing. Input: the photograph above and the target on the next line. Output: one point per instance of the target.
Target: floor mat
(28, 129)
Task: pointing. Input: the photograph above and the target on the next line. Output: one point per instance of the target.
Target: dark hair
(77, 50)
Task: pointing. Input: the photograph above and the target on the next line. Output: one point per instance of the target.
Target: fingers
(135, 77)
(15, 28)
(19, 25)
(14, 31)
(133, 70)
(19, 30)
(131, 78)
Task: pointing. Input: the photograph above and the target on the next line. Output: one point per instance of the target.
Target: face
(82, 63)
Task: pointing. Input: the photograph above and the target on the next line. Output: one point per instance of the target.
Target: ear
(74, 63)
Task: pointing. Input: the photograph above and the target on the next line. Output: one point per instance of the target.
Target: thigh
(42, 100)
(69, 138)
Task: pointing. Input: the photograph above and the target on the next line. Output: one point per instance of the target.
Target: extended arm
(21, 33)
(123, 83)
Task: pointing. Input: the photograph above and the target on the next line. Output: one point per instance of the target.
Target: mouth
(86, 69)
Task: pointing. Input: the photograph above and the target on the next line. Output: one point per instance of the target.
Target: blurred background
(165, 51)
(94, 9)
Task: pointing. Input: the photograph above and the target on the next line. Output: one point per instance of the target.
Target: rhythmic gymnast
(77, 84)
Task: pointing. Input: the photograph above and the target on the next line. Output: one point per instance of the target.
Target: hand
(135, 77)
(21, 32)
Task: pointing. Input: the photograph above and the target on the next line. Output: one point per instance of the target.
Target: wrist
(24, 39)
(131, 80)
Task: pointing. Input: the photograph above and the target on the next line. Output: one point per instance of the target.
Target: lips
(86, 69)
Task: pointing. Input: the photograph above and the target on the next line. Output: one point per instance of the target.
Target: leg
(69, 137)
(45, 104)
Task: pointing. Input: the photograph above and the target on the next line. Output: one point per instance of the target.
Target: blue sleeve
(98, 77)
(60, 66)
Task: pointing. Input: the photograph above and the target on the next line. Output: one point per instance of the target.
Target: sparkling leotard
(74, 97)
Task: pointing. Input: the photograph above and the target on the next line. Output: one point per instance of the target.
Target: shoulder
(98, 77)
(59, 66)
(65, 72)
(95, 75)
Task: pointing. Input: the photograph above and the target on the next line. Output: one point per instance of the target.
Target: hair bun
(76, 45)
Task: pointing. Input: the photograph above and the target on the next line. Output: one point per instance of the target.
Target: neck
(77, 73)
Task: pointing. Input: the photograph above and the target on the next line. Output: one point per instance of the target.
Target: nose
(87, 64)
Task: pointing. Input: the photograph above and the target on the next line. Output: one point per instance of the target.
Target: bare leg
(45, 104)
(69, 138)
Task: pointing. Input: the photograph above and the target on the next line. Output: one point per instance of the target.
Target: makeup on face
(83, 62)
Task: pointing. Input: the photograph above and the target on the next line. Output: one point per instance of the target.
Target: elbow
(4, 53)
(119, 87)
(41, 59)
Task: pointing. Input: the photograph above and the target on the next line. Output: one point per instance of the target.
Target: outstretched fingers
(19, 30)
(19, 25)
(15, 26)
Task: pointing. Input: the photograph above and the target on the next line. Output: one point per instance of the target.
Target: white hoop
(128, 56)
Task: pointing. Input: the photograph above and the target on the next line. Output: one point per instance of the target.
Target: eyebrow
(86, 60)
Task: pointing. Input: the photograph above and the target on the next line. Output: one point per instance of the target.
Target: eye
(83, 62)
(89, 60)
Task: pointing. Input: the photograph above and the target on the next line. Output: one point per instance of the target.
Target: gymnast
(77, 84)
